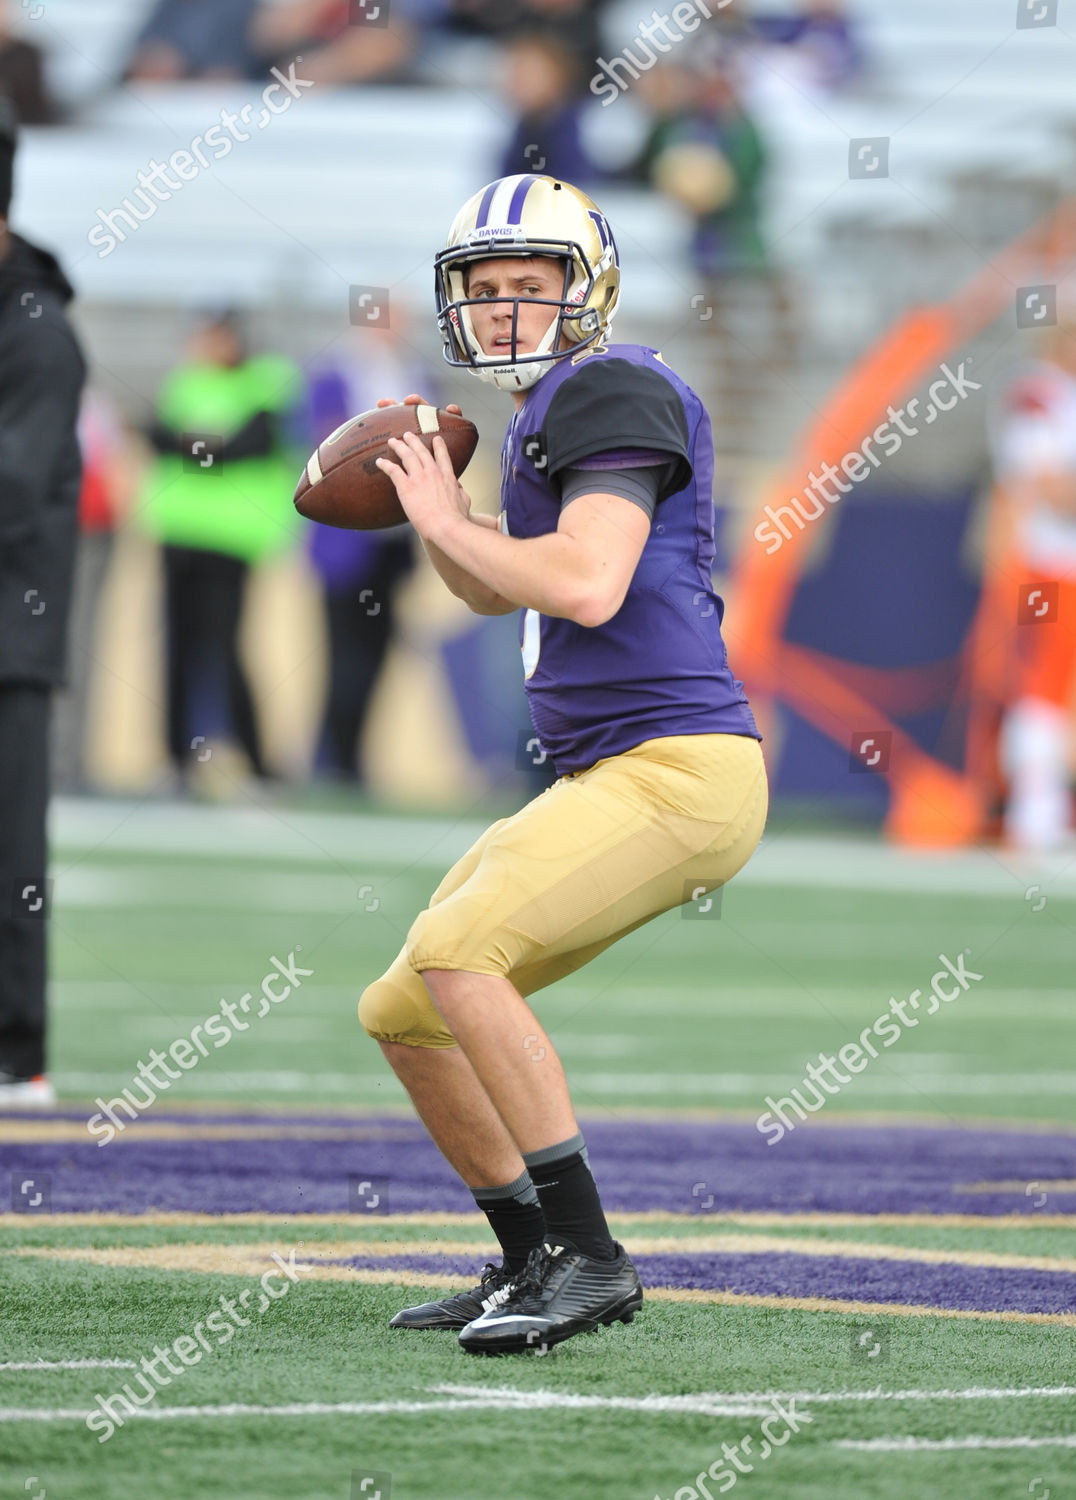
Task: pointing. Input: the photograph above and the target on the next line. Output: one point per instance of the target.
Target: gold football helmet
(528, 215)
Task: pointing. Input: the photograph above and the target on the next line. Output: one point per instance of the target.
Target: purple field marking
(674, 1167)
(976, 1288)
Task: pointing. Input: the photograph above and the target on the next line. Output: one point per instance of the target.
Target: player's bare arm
(478, 596)
(580, 572)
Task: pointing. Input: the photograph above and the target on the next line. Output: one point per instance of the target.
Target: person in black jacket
(41, 377)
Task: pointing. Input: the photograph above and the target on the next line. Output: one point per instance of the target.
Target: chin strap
(516, 377)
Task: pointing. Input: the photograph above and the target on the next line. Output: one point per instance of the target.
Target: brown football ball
(342, 485)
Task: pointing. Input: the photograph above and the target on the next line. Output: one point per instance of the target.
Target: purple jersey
(659, 666)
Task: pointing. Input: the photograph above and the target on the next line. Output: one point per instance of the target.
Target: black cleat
(559, 1293)
(458, 1311)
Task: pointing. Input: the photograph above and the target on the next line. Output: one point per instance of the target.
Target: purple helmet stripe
(483, 207)
(515, 208)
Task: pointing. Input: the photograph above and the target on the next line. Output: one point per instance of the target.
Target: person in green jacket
(219, 500)
(705, 152)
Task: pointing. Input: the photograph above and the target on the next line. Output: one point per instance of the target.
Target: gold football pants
(593, 857)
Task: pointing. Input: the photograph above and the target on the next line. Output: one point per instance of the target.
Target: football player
(605, 543)
(1035, 457)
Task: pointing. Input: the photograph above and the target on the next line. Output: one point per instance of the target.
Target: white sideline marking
(523, 1401)
(166, 1413)
(705, 1403)
(68, 1364)
(627, 1084)
(93, 885)
(272, 1081)
(945, 1445)
(754, 1398)
(290, 836)
(485, 1398)
(976, 1393)
(1006, 1084)
(770, 1000)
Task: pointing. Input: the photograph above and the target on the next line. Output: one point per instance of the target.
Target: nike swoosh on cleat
(488, 1322)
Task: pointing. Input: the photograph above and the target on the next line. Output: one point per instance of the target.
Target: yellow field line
(763, 1218)
(241, 1258)
(872, 1309)
(436, 1280)
(1020, 1185)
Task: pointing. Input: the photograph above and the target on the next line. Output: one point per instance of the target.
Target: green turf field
(329, 1344)
(161, 913)
(935, 1391)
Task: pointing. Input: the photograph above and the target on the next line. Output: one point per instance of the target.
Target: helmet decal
(502, 202)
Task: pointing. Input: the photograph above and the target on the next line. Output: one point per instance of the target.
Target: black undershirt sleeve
(610, 405)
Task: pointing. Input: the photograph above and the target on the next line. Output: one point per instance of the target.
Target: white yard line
(291, 836)
(523, 1401)
(976, 1393)
(774, 999)
(948, 1445)
(502, 1398)
(68, 1364)
(91, 885)
(755, 1398)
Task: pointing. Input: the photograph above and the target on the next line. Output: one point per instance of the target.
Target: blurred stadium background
(354, 186)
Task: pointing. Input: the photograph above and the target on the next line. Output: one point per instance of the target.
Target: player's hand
(426, 484)
(414, 400)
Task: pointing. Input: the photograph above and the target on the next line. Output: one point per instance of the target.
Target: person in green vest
(219, 501)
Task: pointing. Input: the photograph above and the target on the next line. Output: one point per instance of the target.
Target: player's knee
(451, 936)
(395, 1011)
(426, 938)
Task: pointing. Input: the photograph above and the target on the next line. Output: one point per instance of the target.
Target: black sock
(569, 1197)
(515, 1216)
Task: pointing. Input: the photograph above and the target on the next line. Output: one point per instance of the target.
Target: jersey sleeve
(610, 405)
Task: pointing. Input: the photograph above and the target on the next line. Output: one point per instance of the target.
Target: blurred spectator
(576, 24)
(346, 41)
(107, 485)
(359, 571)
(541, 78)
(1036, 464)
(41, 379)
(821, 38)
(219, 498)
(707, 154)
(22, 74)
(195, 39)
